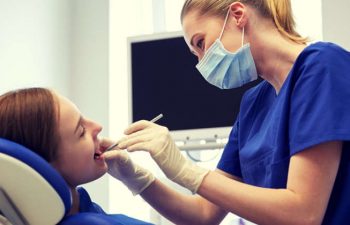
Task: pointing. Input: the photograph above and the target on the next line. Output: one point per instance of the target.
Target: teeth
(96, 156)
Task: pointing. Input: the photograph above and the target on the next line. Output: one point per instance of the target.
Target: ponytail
(280, 11)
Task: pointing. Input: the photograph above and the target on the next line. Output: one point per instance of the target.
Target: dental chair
(32, 192)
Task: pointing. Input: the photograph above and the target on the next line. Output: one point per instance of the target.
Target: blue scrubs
(312, 107)
(86, 205)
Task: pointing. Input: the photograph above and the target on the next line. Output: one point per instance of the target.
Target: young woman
(288, 156)
(53, 127)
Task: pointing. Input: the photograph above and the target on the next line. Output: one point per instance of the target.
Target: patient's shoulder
(85, 204)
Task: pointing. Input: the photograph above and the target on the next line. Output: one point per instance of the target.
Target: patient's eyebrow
(78, 124)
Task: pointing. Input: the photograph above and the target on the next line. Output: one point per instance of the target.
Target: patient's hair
(29, 117)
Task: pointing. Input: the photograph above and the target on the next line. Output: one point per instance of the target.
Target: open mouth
(98, 153)
(97, 156)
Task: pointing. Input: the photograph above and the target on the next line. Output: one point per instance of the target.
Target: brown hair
(29, 117)
(280, 11)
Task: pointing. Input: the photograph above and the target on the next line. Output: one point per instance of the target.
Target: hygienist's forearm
(180, 208)
(259, 205)
(304, 201)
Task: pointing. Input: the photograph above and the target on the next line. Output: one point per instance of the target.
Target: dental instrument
(155, 119)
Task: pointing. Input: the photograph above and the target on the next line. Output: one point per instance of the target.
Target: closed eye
(83, 131)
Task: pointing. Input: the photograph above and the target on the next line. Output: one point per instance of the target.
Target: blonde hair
(280, 11)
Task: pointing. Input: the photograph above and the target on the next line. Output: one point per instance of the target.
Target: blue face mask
(227, 70)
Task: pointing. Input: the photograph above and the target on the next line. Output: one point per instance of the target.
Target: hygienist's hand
(147, 136)
(121, 167)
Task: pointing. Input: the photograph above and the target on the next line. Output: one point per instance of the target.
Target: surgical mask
(227, 70)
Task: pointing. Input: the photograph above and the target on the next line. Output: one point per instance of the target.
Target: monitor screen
(164, 79)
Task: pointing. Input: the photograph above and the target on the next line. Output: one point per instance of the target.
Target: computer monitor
(163, 79)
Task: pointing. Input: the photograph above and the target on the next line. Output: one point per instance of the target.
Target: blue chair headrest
(36, 189)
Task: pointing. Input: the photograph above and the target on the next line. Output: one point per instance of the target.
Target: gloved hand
(147, 136)
(121, 167)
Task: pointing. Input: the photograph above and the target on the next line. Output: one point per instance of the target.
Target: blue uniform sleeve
(320, 103)
(229, 161)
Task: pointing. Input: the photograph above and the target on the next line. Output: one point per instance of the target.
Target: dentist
(288, 156)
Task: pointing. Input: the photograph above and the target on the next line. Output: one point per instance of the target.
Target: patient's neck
(75, 201)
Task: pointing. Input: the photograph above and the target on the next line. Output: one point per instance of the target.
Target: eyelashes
(83, 131)
(200, 44)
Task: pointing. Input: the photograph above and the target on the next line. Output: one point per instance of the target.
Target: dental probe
(155, 119)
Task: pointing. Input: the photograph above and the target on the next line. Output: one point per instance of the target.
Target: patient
(52, 126)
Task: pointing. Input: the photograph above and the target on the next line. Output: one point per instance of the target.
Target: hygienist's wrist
(147, 185)
(191, 176)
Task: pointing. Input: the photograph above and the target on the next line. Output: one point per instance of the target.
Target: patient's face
(79, 149)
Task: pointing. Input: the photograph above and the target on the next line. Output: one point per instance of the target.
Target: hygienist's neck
(274, 54)
(75, 201)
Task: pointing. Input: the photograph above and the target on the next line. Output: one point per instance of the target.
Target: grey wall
(35, 44)
(336, 18)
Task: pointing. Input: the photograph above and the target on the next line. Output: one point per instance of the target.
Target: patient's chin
(100, 174)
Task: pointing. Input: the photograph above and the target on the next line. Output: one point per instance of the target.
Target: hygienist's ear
(239, 12)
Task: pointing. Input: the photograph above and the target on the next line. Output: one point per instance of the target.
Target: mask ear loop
(223, 28)
(243, 37)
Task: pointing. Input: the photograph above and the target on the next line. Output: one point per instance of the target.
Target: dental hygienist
(288, 156)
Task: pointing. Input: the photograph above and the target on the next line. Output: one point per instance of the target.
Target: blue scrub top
(86, 205)
(312, 107)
